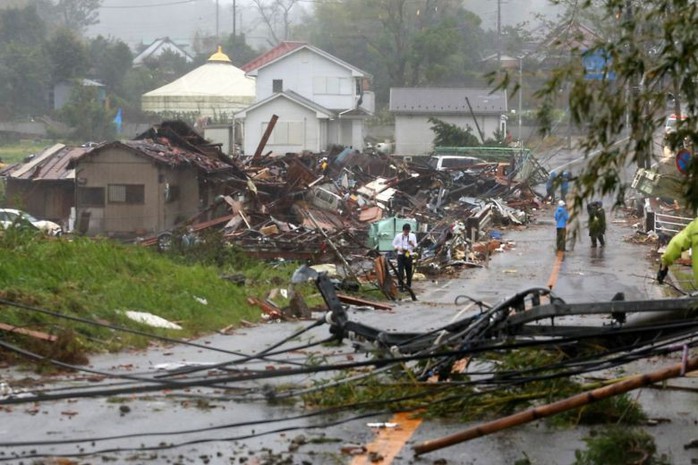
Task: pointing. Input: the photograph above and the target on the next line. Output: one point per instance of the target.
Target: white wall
(289, 113)
(413, 134)
(303, 72)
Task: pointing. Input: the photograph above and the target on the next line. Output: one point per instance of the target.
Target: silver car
(10, 217)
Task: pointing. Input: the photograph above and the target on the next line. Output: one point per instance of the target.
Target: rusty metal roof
(51, 164)
(161, 151)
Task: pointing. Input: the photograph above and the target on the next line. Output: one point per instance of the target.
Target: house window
(332, 85)
(286, 133)
(90, 196)
(277, 85)
(126, 193)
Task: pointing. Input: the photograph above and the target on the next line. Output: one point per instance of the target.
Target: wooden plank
(28, 332)
(348, 299)
(267, 308)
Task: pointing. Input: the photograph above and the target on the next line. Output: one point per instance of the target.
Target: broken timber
(28, 332)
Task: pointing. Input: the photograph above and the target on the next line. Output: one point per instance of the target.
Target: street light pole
(520, 95)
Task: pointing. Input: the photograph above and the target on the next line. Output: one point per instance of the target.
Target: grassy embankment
(16, 152)
(98, 280)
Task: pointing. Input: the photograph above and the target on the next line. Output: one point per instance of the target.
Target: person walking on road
(565, 178)
(562, 216)
(686, 239)
(404, 245)
(550, 186)
(597, 223)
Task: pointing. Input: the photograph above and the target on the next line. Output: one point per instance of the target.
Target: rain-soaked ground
(183, 428)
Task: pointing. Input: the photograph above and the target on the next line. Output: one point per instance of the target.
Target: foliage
(450, 135)
(168, 66)
(401, 43)
(87, 114)
(23, 64)
(461, 400)
(23, 80)
(235, 46)
(68, 56)
(77, 15)
(618, 445)
(100, 279)
(650, 47)
(111, 60)
(23, 26)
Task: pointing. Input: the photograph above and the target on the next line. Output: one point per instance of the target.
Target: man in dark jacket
(597, 223)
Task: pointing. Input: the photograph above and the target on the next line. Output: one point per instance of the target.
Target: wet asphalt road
(224, 426)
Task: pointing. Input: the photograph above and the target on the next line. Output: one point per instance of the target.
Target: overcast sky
(143, 21)
(512, 11)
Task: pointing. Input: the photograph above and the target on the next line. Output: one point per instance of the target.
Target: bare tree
(276, 14)
(78, 15)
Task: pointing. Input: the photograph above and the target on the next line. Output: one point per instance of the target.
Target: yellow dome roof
(220, 56)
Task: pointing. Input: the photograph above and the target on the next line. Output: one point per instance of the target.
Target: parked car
(10, 217)
(454, 162)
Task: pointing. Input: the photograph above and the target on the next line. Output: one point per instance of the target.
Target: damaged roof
(164, 152)
(51, 164)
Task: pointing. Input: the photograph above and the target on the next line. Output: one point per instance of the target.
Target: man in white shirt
(404, 244)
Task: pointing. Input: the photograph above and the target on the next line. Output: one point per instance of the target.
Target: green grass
(15, 152)
(98, 279)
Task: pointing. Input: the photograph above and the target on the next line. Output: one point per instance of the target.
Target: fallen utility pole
(563, 405)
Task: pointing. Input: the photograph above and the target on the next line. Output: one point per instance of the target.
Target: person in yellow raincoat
(686, 239)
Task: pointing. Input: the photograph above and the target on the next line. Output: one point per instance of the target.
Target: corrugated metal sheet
(51, 164)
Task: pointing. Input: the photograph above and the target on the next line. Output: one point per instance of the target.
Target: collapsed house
(300, 206)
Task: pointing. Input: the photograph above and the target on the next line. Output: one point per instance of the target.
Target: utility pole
(520, 95)
(234, 19)
(217, 36)
(499, 34)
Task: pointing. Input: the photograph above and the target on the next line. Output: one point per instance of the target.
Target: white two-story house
(319, 99)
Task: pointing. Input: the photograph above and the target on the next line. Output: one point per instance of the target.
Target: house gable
(316, 80)
(157, 48)
(302, 127)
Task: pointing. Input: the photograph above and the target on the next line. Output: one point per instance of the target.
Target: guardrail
(662, 223)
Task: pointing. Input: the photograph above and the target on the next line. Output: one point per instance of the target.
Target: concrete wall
(413, 134)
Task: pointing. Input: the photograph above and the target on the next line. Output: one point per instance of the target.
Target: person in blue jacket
(562, 216)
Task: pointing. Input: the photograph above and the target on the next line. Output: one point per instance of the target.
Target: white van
(671, 123)
(453, 162)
